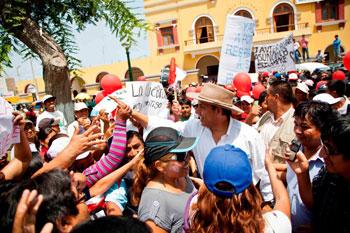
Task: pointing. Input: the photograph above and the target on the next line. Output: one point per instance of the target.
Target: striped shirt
(112, 160)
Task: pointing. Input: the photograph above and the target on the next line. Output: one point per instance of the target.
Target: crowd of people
(222, 161)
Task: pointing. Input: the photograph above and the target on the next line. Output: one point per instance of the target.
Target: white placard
(148, 98)
(275, 57)
(236, 48)
(306, 1)
(9, 133)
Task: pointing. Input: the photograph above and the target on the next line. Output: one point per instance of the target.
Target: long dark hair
(241, 213)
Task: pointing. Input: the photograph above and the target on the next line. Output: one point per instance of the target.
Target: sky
(97, 46)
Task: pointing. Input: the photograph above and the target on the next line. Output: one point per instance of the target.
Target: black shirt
(331, 202)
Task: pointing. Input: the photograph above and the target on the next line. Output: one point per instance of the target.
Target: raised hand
(300, 165)
(103, 116)
(86, 141)
(109, 131)
(18, 119)
(137, 157)
(255, 110)
(123, 110)
(78, 183)
(25, 217)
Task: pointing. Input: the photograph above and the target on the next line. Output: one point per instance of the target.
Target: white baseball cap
(79, 106)
(247, 99)
(58, 145)
(327, 98)
(303, 87)
(46, 97)
(293, 76)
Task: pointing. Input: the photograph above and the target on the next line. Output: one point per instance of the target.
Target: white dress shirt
(238, 134)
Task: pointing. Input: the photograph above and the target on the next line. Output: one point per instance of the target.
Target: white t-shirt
(71, 128)
(277, 222)
(57, 115)
(296, 45)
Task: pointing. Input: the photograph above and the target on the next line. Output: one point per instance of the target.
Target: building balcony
(262, 36)
(203, 45)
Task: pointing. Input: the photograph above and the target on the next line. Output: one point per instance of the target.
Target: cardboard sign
(275, 57)
(148, 98)
(236, 48)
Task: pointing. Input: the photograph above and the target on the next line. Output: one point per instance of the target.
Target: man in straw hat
(216, 127)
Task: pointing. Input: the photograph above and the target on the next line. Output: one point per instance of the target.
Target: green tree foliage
(58, 18)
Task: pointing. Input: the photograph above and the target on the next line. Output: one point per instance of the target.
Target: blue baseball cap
(278, 75)
(227, 165)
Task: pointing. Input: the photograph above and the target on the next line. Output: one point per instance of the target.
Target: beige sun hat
(215, 95)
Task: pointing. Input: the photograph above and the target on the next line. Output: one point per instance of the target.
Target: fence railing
(288, 27)
(204, 40)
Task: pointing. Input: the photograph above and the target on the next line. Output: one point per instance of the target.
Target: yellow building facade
(192, 32)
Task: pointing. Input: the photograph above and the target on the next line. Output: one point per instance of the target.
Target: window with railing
(204, 30)
(330, 10)
(283, 18)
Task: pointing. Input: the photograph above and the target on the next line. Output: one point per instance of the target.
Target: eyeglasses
(180, 157)
(329, 150)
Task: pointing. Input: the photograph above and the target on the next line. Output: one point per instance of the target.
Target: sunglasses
(328, 149)
(180, 157)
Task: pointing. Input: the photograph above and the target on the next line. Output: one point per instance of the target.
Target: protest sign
(148, 98)
(236, 48)
(275, 57)
(9, 134)
(306, 1)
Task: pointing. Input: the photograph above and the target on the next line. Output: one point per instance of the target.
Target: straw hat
(215, 95)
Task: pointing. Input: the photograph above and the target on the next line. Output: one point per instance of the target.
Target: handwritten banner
(275, 57)
(306, 1)
(148, 98)
(236, 48)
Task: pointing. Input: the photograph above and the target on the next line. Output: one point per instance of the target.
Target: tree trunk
(55, 68)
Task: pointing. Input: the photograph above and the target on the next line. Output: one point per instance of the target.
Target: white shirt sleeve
(259, 171)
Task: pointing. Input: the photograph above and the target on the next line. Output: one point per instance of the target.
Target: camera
(294, 148)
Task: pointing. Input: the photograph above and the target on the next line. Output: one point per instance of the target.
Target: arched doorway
(329, 53)
(283, 18)
(208, 68)
(136, 72)
(77, 83)
(244, 13)
(204, 30)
